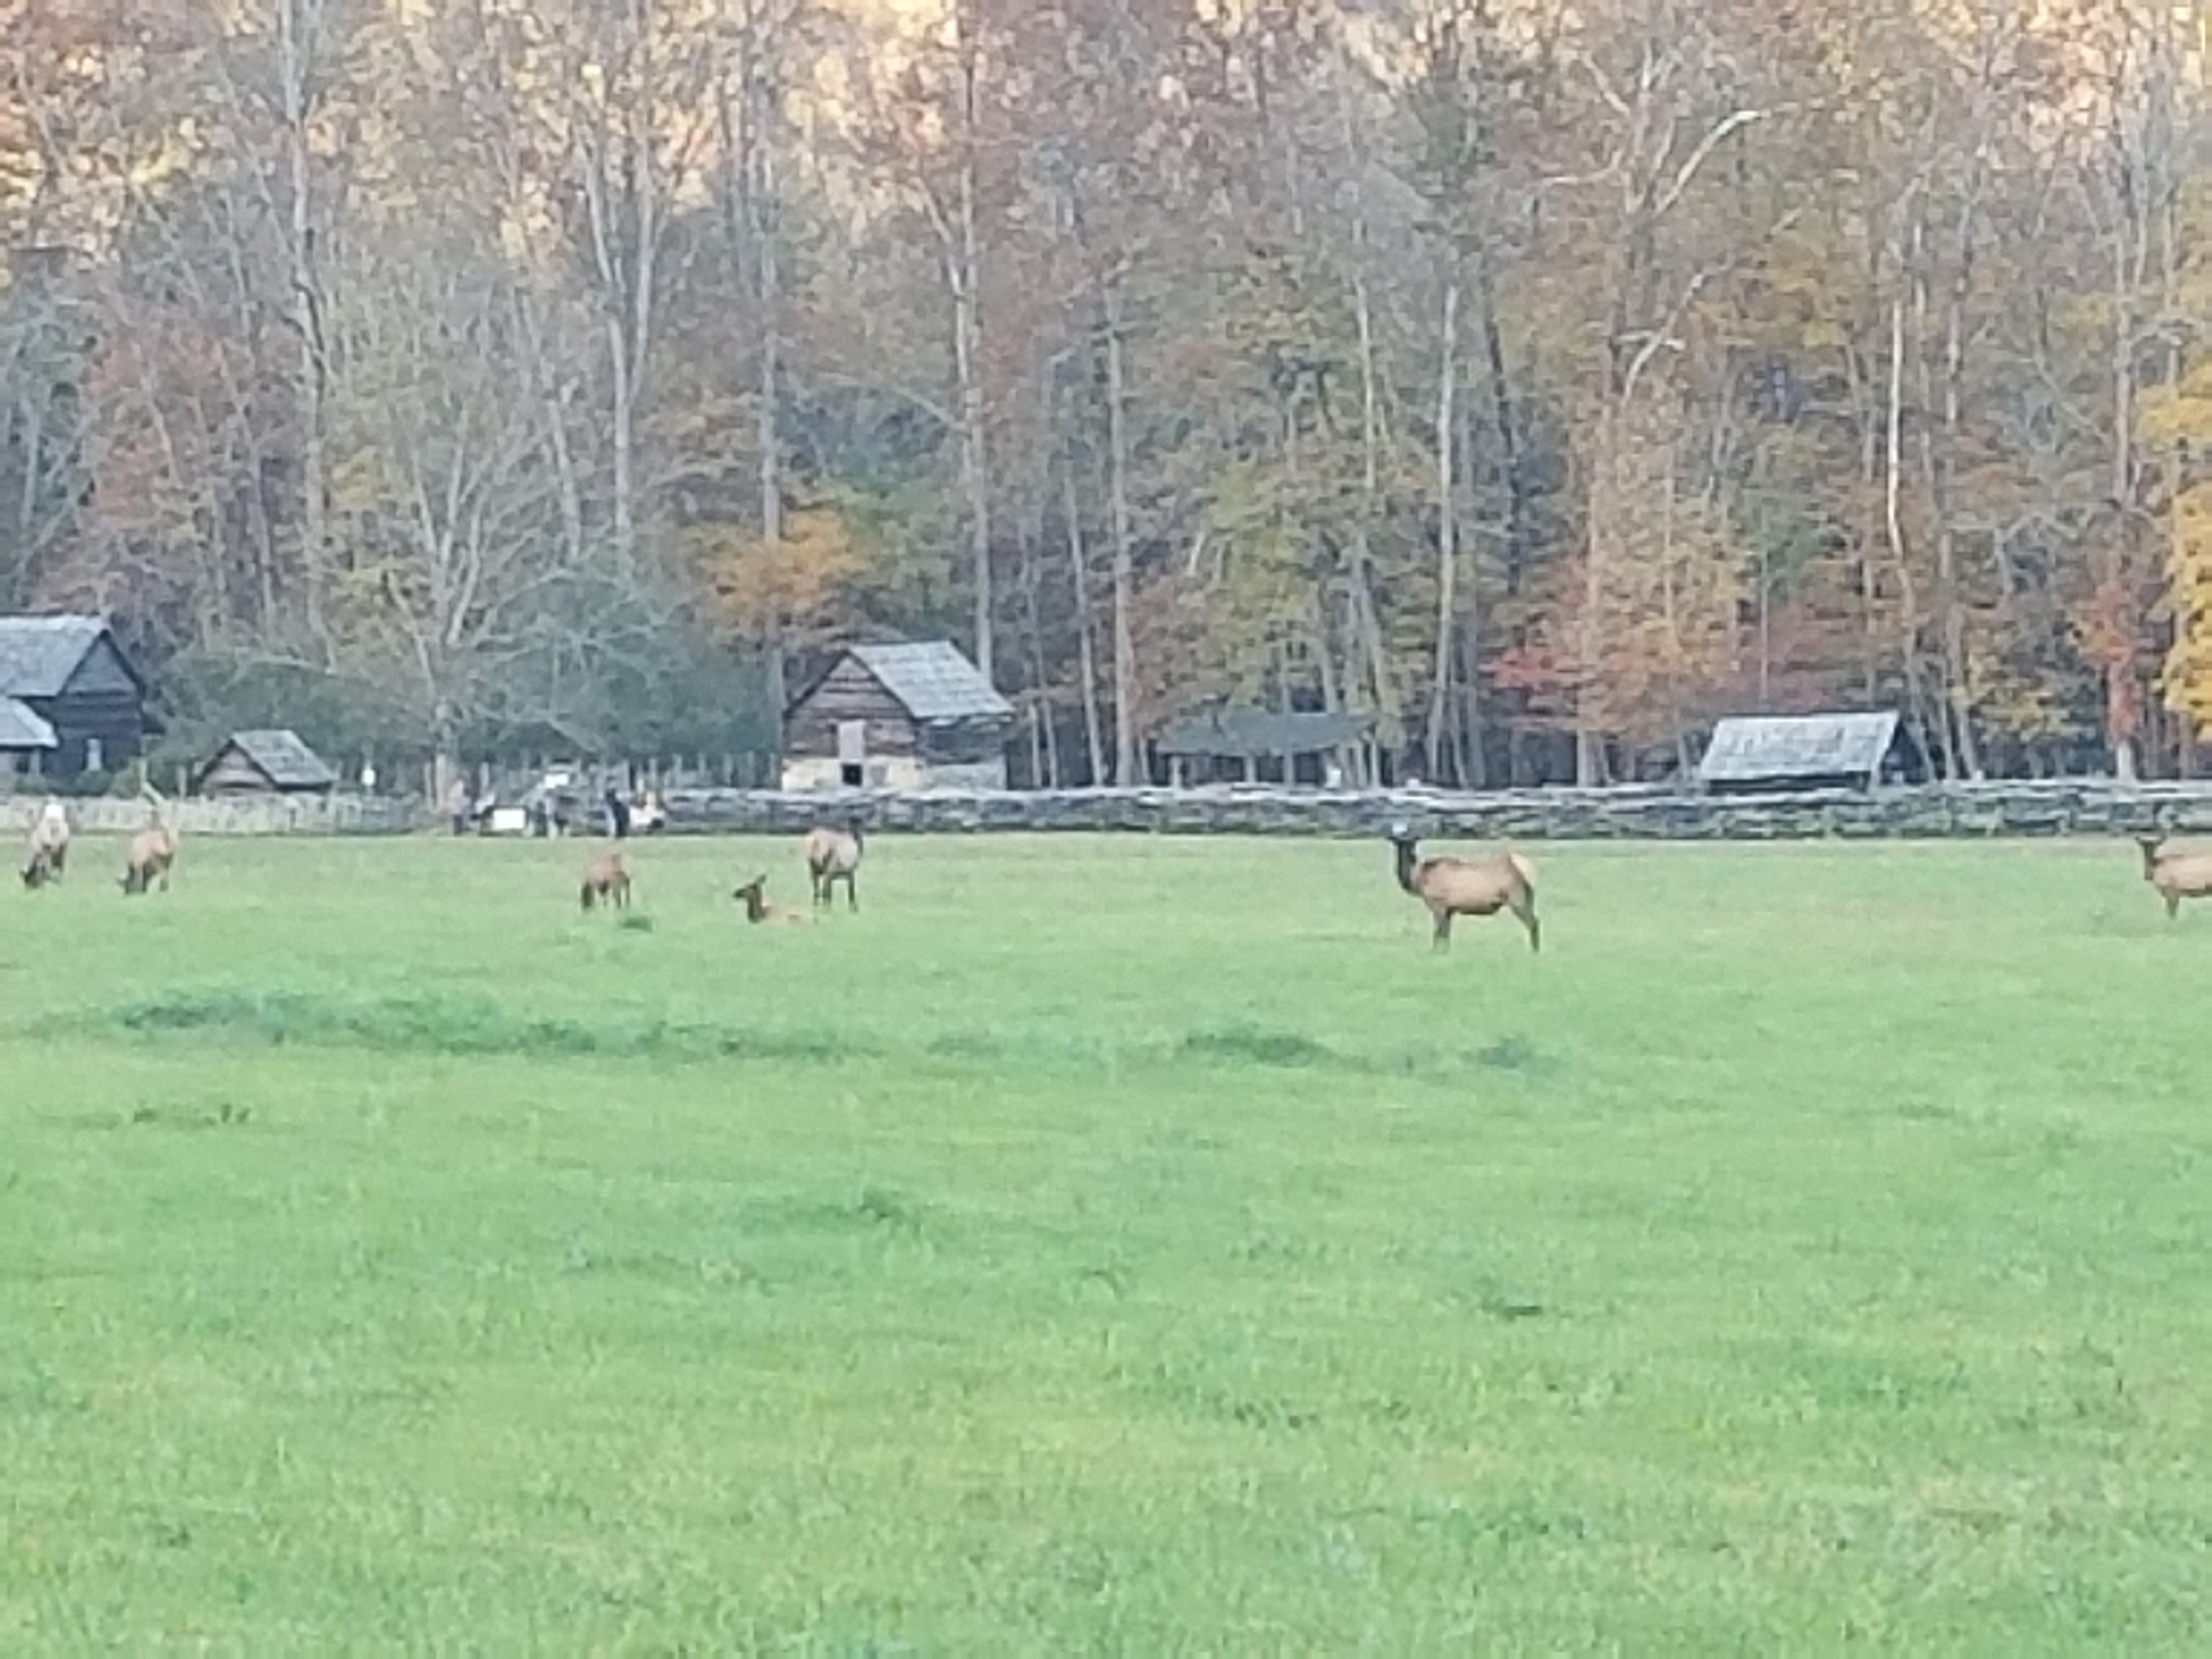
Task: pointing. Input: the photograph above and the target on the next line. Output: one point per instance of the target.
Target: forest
(1538, 380)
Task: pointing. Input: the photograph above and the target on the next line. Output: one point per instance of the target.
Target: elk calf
(606, 881)
(754, 896)
(1467, 887)
(832, 856)
(2176, 876)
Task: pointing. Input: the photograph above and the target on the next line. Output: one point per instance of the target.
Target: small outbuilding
(1801, 751)
(1299, 743)
(26, 739)
(70, 673)
(266, 764)
(914, 715)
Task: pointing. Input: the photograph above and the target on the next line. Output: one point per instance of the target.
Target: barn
(72, 674)
(1801, 751)
(278, 762)
(914, 715)
(1298, 744)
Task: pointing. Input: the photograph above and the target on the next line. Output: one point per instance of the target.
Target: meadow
(1106, 1246)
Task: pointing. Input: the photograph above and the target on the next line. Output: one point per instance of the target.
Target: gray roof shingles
(21, 728)
(933, 681)
(285, 759)
(38, 655)
(1752, 748)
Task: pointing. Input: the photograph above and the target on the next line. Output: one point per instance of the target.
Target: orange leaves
(783, 591)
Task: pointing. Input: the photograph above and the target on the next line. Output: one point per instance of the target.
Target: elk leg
(1441, 939)
(2172, 906)
(851, 894)
(1524, 906)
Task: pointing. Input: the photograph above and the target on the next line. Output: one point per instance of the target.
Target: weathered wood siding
(233, 774)
(102, 703)
(849, 692)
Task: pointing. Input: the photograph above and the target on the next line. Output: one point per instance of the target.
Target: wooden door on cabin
(852, 753)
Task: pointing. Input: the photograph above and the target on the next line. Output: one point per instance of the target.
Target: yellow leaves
(2186, 683)
(774, 590)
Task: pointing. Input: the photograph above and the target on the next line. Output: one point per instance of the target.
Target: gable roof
(38, 655)
(1757, 748)
(1256, 732)
(283, 758)
(21, 727)
(933, 681)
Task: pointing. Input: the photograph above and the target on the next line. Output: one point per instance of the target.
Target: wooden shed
(26, 739)
(266, 764)
(72, 674)
(1246, 739)
(1803, 751)
(916, 715)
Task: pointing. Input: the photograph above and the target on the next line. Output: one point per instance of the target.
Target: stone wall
(2074, 807)
(242, 815)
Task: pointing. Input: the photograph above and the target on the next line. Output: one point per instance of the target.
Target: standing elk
(151, 856)
(832, 856)
(2176, 876)
(607, 881)
(45, 849)
(754, 896)
(1467, 887)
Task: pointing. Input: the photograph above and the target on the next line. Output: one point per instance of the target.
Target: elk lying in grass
(45, 849)
(607, 881)
(832, 856)
(1467, 887)
(2176, 875)
(150, 858)
(754, 896)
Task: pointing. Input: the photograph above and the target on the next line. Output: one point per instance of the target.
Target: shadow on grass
(476, 1027)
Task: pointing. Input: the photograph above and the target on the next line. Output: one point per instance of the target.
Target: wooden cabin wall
(849, 693)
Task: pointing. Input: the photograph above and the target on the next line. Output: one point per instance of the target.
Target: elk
(45, 849)
(2176, 876)
(1467, 887)
(606, 881)
(754, 896)
(832, 856)
(151, 856)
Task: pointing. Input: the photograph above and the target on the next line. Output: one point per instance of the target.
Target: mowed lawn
(1106, 1245)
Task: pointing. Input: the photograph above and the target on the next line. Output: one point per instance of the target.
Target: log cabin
(72, 674)
(917, 715)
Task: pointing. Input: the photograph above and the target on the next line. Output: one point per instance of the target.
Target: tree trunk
(298, 23)
(1125, 575)
(1085, 651)
(1447, 533)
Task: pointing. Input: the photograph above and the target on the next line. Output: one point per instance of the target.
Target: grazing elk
(45, 849)
(754, 896)
(150, 858)
(2177, 875)
(832, 856)
(607, 881)
(1467, 887)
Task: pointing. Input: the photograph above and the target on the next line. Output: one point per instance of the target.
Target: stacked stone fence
(2071, 808)
(244, 815)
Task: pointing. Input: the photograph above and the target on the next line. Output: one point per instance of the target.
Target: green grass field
(1106, 1246)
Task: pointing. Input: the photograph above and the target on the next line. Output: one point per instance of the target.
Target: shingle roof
(1258, 731)
(21, 728)
(1766, 748)
(284, 759)
(38, 655)
(933, 681)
